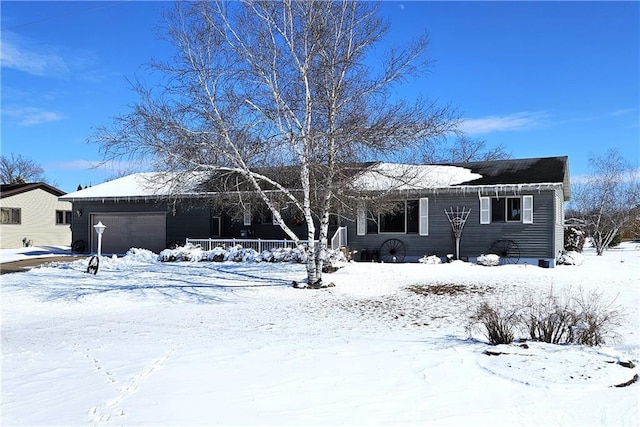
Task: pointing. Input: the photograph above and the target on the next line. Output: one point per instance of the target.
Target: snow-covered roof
(541, 173)
(139, 185)
(395, 176)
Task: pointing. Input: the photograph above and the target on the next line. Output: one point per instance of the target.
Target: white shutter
(361, 226)
(527, 209)
(423, 226)
(247, 215)
(485, 210)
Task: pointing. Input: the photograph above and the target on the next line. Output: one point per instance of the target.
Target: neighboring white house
(32, 215)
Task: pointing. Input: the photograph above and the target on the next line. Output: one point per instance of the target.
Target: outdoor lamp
(99, 227)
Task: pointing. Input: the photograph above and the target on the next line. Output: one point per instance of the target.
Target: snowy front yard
(150, 343)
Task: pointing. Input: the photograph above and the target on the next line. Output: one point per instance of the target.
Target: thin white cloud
(511, 122)
(622, 112)
(79, 164)
(38, 60)
(32, 116)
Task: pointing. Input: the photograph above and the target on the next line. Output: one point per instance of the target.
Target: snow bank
(571, 258)
(489, 260)
(431, 259)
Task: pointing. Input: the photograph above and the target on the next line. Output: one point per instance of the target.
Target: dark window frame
(13, 215)
(63, 217)
(408, 215)
(513, 213)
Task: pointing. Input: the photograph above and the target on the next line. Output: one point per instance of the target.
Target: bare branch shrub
(548, 318)
(551, 317)
(568, 318)
(497, 323)
(597, 317)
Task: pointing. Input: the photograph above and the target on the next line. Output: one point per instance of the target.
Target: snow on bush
(574, 239)
(571, 258)
(237, 253)
(141, 255)
(488, 260)
(431, 259)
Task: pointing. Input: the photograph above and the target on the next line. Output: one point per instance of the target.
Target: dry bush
(596, 319)
(549, 318)
(568, 318)
(556, 318)
(496, 323)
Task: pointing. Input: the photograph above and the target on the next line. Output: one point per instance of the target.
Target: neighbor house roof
(7, 190)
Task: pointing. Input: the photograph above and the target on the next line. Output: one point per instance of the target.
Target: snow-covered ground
(204, 343)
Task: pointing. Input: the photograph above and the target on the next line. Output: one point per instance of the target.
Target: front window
(513, 209)
(393, 222)
(403, 219)
(10, 215)
(410, 217)
(63, 217)
(506, 209)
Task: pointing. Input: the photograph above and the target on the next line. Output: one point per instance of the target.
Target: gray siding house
(514, 208)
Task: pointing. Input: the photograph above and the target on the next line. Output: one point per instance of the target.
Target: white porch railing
(338, 240)
(258, 245)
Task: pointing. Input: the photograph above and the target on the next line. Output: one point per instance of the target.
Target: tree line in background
(16, 169)
(605, 205)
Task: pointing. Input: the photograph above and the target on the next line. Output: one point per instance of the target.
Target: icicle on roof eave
(486, 189)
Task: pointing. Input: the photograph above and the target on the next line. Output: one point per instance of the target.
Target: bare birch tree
(18, 169)
(607, 200)
(257, 84)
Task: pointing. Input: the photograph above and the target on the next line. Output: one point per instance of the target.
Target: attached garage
(146, 230)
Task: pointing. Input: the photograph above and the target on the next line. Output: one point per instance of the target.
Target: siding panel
(534, 240)
(38, 222)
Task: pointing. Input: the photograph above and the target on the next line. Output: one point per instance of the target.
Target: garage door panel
(124, 231)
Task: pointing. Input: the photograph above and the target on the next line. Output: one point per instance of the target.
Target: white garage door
(130, 230)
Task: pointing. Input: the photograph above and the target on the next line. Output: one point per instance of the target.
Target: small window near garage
(63, 217)
(10, 215)
(263, 215)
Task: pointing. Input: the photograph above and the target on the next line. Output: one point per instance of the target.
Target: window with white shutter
(485, 210)
(527, 209)
(361, 226)
(424, 216)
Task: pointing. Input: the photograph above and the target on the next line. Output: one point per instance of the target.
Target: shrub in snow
(567, 318)
(217, 254)
(488, 260)
(573, 239)
(570, 319)
(142, 255)
(239, 254)
(188, 252)
(431, 259)
(496, 322)
(571, 258)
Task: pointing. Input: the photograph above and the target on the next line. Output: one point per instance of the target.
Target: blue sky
(541, 78)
